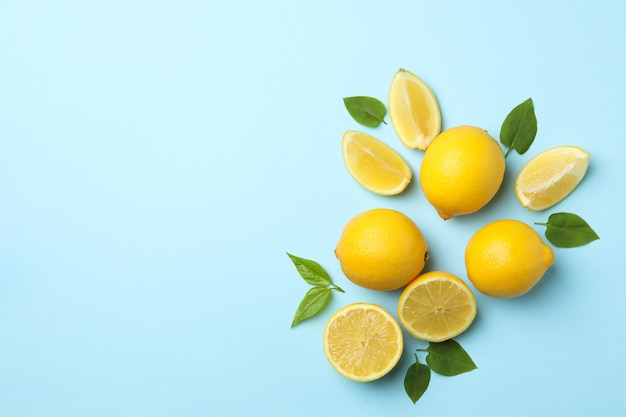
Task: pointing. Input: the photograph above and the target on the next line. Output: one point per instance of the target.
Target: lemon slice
(436, 306)
(374, 165)
(413, 110)
(363, 342)
(550, 176)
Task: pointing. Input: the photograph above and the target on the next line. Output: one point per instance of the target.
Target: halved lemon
(374, 164)
(550, 176)
(413, 110)
(436, 306)
(363, 342)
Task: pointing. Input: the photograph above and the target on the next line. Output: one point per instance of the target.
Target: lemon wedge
(436, 306)
(363, 342)
(550, 176)
(374, 165)
(413, 110)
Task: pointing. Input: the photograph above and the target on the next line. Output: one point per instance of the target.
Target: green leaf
(519, 128)
(367, 111)
(449, 358)
(311, 271)
(568, 230)
(313, 302)
(416, 380)
(317, 297)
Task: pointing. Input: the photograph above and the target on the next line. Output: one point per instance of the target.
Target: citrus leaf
(519, 128)
(313, 302)
(449, 358)
(311, 271)
(568, 230)
(416, 380)
(367, 111)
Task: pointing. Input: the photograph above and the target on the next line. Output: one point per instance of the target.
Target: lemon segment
(363, 342)
(506, 258)
(413, 110)
(375, 165)
(550, 176)
(381, 249)
(436, 306)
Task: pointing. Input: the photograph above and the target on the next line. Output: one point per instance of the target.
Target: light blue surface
(158, 158)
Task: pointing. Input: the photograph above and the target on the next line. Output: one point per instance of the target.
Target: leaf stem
(541, 224)
(336, 287)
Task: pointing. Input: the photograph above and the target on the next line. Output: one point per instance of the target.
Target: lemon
(363, 342)
(381, 249)
(373, 164)
(413, 110)
(506, 258)
(550, 176)
(461, 171)
(436, 306)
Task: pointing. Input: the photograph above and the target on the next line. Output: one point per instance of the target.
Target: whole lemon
(381, 249)
(462, 170)
(506, 258)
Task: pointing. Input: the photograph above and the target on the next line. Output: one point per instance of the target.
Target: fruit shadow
(544, 289)
(413, 188)
(498, 204)
(539, 295)
(503, 196)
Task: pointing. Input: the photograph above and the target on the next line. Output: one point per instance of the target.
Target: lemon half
(436, 306)
(363, 342)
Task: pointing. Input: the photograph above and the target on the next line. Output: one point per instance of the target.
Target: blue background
(158, 158)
